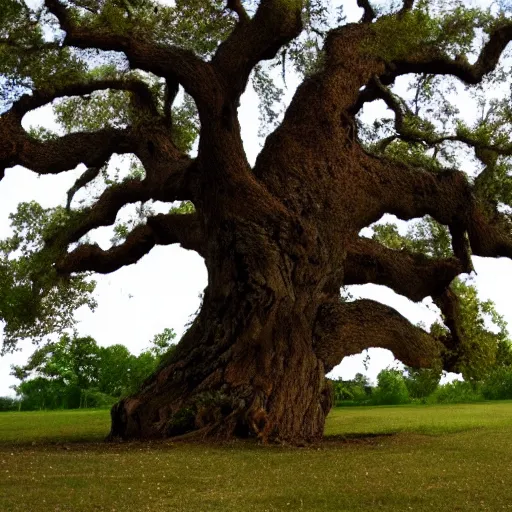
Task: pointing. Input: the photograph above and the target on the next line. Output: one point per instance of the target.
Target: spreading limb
(445, 195)
(369, 13)
(275, 23)
(349, 328)
(62, 153)
(184, 229)
(194, 74)
(413, 275)
(434, 61)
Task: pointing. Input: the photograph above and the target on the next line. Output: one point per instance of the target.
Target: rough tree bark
(278, 239)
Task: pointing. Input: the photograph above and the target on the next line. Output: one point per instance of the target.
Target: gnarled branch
(413, 275)
(275, 23)
(345, 329)
(369, 12)
(104, 211)
(407, 6)
(62, 153)
(434, 61)
(41, 97)
(237, 7)
(445, 195)
(161, 229)
(88, 175)
(196, 76)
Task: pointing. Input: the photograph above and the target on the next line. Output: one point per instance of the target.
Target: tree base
(280, 414)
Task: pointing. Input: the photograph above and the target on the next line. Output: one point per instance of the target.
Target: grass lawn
(419, 458)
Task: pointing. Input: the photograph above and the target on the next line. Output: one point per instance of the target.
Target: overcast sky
(162, 290)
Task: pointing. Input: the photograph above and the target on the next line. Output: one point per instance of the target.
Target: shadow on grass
(357, 438)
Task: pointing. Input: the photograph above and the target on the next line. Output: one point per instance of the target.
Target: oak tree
(281, 237)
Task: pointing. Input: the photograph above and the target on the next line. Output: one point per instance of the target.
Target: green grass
(437, 458)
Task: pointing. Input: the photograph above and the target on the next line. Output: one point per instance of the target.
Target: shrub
(456, 392)
(96, 399)
(422, 382)
(391, 389)
(351, 392)
(8, 404)
(498, 385)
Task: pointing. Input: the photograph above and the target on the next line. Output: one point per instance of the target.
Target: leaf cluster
(35, 300)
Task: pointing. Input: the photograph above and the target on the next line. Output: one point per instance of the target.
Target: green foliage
(425, 236)
(61, 371)
(36, 301)
(270, 95)
(183, 207)
(75, 372)
(391, 389)
(486, 338)
(485, 331)
(498, 384)
(354, 392)
(8, 403)
(456, 392)
(447, 25)
(422, 382)
(162, 342)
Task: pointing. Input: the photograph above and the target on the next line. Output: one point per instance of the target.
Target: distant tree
(484, 334)
(76, 372)
(162, 342)
(8, 403)
(422, 382)
(44, 393)
(391, 388)
(498, 384)
(60, 371)
(357, 389)
(114, 372)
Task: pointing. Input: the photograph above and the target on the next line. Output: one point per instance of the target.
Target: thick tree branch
(413, 275)
(90, 174)
(104, 211)
(345, 329)
(237, 7)
(434, 61)
(161, 229)
(369, 13)
(376, 90)
(406, 7)
(196, 76)
(41, 97)
(445, 195)
(275, 23)
(62, 153)
(431, 60)
(449, 304)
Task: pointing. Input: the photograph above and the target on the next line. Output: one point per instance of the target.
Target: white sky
(162, 290)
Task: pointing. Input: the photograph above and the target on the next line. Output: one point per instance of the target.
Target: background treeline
(75, 372)
(396, 387)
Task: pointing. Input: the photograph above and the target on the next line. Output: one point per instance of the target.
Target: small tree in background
(422, 382)
(391, 388)
(357, 390)
(59, 372)
(75, 372)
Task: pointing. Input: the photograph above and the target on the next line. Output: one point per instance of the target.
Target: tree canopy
(162, 84)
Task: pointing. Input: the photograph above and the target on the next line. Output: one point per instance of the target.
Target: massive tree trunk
(247, 366)
(246, 369)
